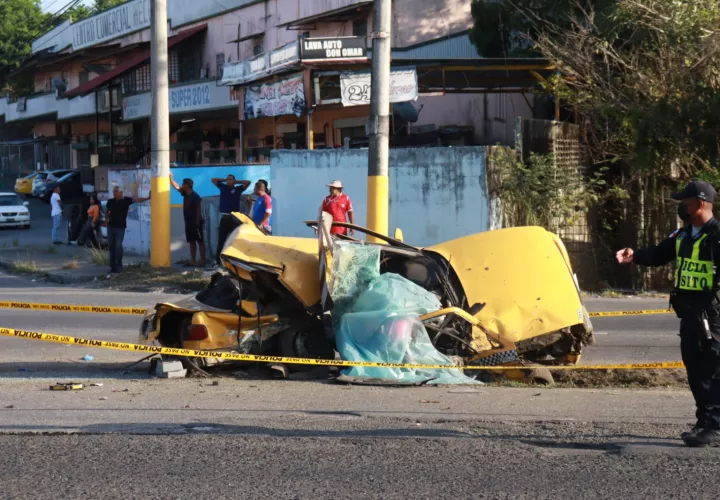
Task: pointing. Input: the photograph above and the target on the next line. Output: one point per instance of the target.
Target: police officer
(696, 301)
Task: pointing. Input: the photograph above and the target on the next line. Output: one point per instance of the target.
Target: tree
(21, 22)
(643, 75)
(81, 11)
(103, 5)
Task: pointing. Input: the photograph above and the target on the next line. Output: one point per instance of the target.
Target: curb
(53, 277)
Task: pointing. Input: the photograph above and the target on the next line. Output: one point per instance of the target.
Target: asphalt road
(618, 340)
(140, 438)
(388, 460)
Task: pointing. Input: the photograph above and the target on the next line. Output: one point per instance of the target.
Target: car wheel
(309, 342)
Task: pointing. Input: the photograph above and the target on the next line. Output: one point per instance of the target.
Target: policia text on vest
(695, 299)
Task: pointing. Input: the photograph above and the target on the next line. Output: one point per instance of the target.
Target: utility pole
(378, 196)
(160, 139)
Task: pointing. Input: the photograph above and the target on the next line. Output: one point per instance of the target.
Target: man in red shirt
(338, 205)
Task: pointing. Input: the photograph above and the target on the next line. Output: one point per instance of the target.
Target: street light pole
(160, 139)
(379, 150)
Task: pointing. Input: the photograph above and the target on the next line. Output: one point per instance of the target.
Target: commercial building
(249, 76)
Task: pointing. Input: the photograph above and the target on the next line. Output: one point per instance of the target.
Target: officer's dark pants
(228, 223)
(702, 362)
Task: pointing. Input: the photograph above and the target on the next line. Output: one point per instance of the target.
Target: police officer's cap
(697, 189)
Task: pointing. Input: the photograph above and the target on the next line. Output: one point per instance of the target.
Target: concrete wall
(436, 194)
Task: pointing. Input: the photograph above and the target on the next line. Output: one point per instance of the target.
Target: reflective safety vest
(693, 272)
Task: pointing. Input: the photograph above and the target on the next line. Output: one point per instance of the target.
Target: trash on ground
(68, 386)
(87, 357)
(96, 384)
(170, 369)
(104, 398)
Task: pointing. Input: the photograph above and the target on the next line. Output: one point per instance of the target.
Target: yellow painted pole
(378, 196)
(160, 139)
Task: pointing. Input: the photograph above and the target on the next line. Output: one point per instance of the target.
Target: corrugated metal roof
(457, 46)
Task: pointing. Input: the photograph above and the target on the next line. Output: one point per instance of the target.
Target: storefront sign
(122, 20)
(284, 97)
(261, 66)
(333, 49)
(182, 99)
(233, 73)
(287, 54)
(136, 106)
(355, 86)
(190, 97)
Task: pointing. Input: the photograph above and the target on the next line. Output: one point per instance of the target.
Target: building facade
(250, 76)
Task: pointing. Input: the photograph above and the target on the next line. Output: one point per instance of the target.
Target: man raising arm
(230, 194)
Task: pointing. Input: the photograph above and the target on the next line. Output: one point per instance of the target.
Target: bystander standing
(262, 208)
(192, 215)
(230, 192)
(56, 213)
(338, 205)
(116, 213)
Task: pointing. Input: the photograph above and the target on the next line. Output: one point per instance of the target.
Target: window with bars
(174, 67)
(137, 80)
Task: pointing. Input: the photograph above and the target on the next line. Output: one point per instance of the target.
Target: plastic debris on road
(376, 319)
(87, 357)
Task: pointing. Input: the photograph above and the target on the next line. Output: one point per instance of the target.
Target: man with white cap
(338, 205)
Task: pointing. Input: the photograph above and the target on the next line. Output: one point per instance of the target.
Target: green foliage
(103, 5)
(643, 76)
(21, 21)
(539, 193)
(507, 27)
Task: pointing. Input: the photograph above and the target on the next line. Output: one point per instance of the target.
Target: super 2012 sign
(190, 97)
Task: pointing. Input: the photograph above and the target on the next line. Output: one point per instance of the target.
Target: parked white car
(13, 211)
(44, 177)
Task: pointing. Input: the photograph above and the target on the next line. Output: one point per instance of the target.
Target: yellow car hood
(524, 277)
(295, 260)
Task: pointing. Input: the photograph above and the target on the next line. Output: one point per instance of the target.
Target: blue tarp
(376, 319)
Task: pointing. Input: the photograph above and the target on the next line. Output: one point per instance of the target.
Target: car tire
(308, 342)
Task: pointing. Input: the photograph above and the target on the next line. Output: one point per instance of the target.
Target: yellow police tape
(139, 311)
(35, 306)
(644, 312)
(254, 358)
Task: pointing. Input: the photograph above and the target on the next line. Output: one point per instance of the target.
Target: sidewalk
(64, 264)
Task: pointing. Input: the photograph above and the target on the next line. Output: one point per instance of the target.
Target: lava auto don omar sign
(333, 49)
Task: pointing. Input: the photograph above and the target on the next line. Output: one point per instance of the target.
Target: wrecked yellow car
(500, 297)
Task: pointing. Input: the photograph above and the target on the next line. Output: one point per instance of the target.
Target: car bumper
(18, 221)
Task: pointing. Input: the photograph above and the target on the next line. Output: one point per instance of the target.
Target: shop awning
(129, 64)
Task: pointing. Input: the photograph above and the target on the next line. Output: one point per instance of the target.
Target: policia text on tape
(139, 311)
(35, 306)
(254, 358)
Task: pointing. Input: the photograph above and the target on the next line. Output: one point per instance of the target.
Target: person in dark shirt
(116, 213)
(696, 301)
(230, 194)
(192, 214)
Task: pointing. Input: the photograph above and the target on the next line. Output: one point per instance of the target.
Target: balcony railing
(46, 104)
